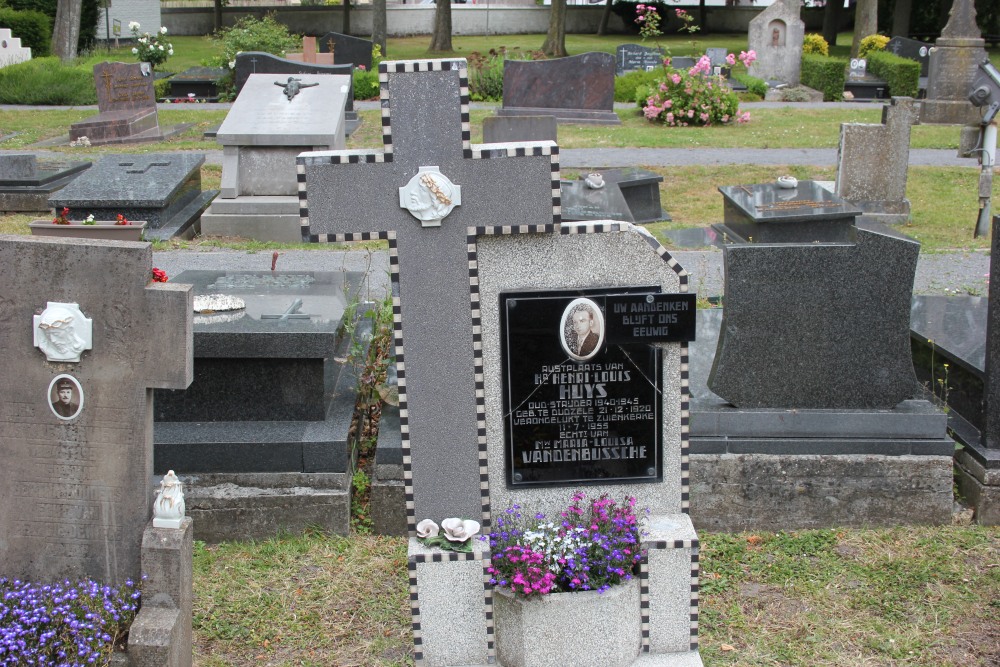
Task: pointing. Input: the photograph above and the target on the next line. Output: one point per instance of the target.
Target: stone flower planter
(585, 629)
(105, 231)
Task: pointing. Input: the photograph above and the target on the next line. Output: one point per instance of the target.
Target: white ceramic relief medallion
(62, 332)
(430, 196)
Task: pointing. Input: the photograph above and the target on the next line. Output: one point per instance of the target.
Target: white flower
(163, 30)
(457, 530)
(135, 51)
(170, 52)
(133, 25)
(161, 47)
(427, 528)
(232, 64)
(90, 218)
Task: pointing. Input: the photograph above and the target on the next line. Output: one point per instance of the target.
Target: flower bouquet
(591, 546)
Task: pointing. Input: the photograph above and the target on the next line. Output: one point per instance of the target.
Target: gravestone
(577, 89)
(807, 412)
(127, 104)
(913, 49)
(257, 62)
(504, 129)
(347, 50)
(453, 253)
(78, 481)
(872, 162)
(27, 182)
(776, 35)
(631, 195)
(861, 85)
(309, 54)
(11, 51)
(953, 64)
(164, 189)
(261, 136)
(978, 464)
(636, 57)
(269, 409)
(200, 83)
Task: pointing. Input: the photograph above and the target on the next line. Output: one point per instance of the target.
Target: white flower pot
(583, 629)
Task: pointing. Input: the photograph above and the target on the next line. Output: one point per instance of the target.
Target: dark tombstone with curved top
(578, 89)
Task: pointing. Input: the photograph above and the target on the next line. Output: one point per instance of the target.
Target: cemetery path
(950, 273)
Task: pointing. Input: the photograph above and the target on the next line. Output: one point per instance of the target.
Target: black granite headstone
(992, 394)
(579, 89)
(579, 407)
(630, 195)
(201, 83)
(632, 57)
(347, 50)
(904, 47)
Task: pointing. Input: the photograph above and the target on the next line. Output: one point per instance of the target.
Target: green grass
(915, 596)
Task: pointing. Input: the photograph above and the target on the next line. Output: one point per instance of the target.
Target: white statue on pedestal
(168, 508)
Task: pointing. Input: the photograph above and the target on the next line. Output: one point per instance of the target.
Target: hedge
(902, 74)
(33, 28)
(825, 74)
(89, 13)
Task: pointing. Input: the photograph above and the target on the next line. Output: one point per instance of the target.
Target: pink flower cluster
(695, 96)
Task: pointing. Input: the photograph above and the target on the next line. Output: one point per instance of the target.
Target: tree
(602, 27)
(865, 22)
(346, 24)
(66, 30)
(555, 39)
(217, 13)
(831, 21)
(379, 28)
(441, 39)
(901, 17)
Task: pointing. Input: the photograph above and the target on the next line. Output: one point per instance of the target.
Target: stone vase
(105, 231)
(583, 629)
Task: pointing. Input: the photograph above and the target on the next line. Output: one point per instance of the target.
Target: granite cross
(359, 195)
(75, 488)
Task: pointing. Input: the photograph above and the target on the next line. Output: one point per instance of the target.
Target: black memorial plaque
(580, 407)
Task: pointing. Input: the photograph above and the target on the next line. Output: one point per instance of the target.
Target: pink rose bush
(695, 96)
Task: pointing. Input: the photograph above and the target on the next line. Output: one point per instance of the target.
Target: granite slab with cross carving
(164, 189)
(75, 488)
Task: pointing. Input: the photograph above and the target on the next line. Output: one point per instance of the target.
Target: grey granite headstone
(257, 62)
(872, 162)
(504, 129)
(261, 136)
(776, 35)
(447, 275)
(127, 103)
(164, 189)
(77, 490)
(426, 123)
(578, 89)
(845, 343)
(347, 50)
(953, 64)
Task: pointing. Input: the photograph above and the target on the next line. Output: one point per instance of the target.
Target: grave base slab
(980, 485)
(584, 116)
(262, 217)
(737, 492)
(262, 505)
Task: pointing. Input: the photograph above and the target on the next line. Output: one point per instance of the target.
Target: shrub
(161, 88)
(902, 74)
(46, 81)
(152, 49)
(754, 85)
(89, 14)
(486, 72)
(366, 84)
(627, 84)
(694, 97)
(813, 43)
(871, 44)
(825, 74)
(33, 27)
(254, 34)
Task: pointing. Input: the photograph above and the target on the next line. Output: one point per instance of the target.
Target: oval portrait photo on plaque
(65, 397)
(581, 329)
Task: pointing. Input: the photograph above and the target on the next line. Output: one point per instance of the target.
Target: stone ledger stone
(578, 89)
(872, 163)
(164, 189)
(127, 103)
(505, 129)
(26, 183)
(776, 35)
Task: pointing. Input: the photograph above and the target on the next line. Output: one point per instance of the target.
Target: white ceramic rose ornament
(458, 534)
